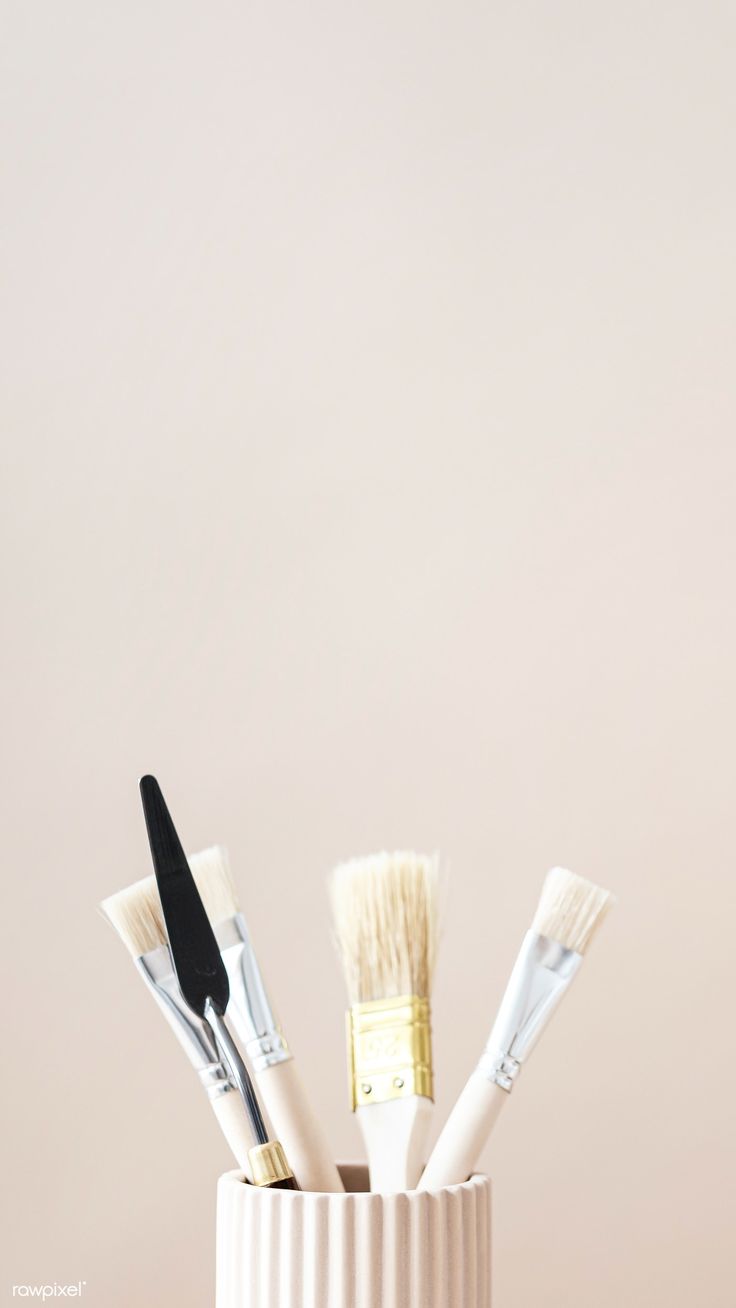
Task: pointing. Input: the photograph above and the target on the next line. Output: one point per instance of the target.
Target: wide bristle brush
(385, 916)
(569, 913)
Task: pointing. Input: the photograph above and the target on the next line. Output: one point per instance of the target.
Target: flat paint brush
(569, 913)
(136, 915)
(202, 976)
(385, 916)
(274, 1069)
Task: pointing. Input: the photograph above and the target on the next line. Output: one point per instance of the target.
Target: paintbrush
(202, 976)
(569, 912)
(136, 915)
(385, 916)
(274, 1068)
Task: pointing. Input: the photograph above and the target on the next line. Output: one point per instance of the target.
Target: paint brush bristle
(137, 916)
(136, 912)
(385, 916)
(570, 909)
(211, 871)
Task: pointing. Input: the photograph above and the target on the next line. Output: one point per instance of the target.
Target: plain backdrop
(368, 474)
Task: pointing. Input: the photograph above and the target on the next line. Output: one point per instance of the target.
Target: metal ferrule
(389, 1050)
(193, 1034)
(541, 975)
(268, 1164)
(249, 1009)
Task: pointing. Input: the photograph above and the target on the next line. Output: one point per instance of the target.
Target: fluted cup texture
(282, 1249)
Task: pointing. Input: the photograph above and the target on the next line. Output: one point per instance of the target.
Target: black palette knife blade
(198, 964)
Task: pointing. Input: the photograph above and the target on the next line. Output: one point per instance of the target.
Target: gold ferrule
(389, 1050)
(268, 1163)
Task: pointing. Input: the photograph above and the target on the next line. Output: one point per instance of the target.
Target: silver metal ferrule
(194, 1035)
(541, 975)
(249, 1009)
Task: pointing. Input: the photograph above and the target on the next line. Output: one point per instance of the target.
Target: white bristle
(385, 915)
(136, 912)
(137, 917)
(570, 909)
(211, 871)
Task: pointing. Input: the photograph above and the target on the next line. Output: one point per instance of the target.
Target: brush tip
(385, 917)
(136, 915)
(211, 871)
(571, 909)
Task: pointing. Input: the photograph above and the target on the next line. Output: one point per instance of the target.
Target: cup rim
(237, 1178)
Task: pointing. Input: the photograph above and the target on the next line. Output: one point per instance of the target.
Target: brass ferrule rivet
(399, 1082)
(366, 1088)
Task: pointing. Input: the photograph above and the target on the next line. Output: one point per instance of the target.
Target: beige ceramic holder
(287, 1249)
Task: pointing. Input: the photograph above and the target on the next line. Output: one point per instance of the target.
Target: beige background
(369, 474)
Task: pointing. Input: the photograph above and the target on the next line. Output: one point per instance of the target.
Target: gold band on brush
(389, 1050)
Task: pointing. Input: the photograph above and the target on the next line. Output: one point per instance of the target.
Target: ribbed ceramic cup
(285, 1249)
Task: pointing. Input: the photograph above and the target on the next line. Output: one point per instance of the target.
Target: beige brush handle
(395, 1137)
(296, 1126)
(230, 1113)
(464, 1134)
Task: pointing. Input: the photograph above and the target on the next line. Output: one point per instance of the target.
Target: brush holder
(290, 1249)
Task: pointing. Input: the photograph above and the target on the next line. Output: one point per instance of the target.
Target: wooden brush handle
(395, 1136)
(295, 1125)
(235, 1127)
(464, 1134)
